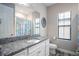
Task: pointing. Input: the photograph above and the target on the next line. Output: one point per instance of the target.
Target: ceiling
(28, 8)
(23, 9)
(48, 4)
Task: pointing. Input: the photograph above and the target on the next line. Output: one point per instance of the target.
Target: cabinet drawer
(22, 53)
(38, 52)
(35, 47)
(35, 53)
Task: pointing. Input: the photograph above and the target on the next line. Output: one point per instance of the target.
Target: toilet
(52, 48)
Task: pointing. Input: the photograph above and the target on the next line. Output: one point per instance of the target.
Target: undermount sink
(33, 41)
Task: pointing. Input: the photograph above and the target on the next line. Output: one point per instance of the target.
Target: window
(37, 26)
(26, 26)
(64, 25)
(23, 27)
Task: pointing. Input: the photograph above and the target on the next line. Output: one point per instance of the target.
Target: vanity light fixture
(20, 15)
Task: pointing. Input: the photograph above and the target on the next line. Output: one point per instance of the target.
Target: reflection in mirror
(18, 21)
(27, 21)
(23, 25)
(36, 23)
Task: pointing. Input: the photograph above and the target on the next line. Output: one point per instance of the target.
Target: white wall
(43, 13)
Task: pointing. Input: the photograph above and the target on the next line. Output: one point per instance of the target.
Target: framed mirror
(43, 22)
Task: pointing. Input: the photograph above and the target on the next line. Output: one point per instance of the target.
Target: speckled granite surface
(15, 46)
(12, 39)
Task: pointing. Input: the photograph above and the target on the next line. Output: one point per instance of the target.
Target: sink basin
(33, 41)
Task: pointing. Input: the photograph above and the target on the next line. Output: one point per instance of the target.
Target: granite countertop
(20, 45)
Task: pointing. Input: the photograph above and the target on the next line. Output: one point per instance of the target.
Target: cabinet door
(37, 50)
(42, 51)
(47, 47)
(22, 53)
(35, 53)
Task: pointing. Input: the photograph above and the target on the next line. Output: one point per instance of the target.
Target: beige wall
(52, 13)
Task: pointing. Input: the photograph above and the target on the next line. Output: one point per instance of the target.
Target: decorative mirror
(43, 22)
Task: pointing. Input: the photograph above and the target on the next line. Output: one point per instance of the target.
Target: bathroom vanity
(15, 26)
(30, 47)
(39, 49)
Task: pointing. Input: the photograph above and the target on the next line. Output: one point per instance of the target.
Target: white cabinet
(41, 49)
(22, 53)
(37, 50)
(47, 47)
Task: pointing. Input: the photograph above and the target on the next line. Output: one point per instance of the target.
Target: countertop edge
(13, 53)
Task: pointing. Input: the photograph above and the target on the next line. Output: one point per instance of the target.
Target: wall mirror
(20, 20)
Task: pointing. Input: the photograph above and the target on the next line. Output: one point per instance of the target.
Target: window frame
(21, 32)
(64, 26)
(36, 27)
